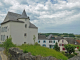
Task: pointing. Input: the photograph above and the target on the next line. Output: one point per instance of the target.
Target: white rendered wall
(64, 42)
(33, 31)
(47, 42)
(8, 30)
(17, 32)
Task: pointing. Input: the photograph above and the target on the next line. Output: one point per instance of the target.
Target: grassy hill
(43, 51)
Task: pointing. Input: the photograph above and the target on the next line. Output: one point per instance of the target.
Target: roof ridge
(13, 13)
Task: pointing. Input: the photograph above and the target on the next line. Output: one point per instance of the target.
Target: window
(62, 44)
(44, 41)
(24, 42)
(53, 41)
(24, 34)
(44, 45)
(4, 29)
(25, 25)
(62, 40)
(38, 41)
(50, 41)
(2, 37)
(52, 37)
(63, 48)
(7, 37)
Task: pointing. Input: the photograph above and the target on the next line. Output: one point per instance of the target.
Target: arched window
(44, 45)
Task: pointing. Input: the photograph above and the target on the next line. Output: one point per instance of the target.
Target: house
(19, 27)
(77, 42)
(70, 40)
(47, 41)
(61, 44)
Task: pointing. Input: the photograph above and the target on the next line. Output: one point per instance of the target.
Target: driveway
(2, 55)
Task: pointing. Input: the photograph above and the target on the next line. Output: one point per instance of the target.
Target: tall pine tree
(56, 47)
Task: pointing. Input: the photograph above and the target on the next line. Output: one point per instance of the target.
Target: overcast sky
(50, 16)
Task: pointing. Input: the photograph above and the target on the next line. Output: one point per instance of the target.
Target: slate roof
(11, 16)
(32, 25)
(50, 36)
(41, 37)
(24, 15)
(14, 18)
(70, 40)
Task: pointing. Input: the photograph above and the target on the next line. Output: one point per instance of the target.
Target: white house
(61, 44)
(19, 27)
(47, 42)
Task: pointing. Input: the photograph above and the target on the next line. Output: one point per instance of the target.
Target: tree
(8, 43)
(56, 47)
(70, 48)
(34, 38)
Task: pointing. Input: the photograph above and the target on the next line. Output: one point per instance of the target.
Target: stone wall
(75, 58)
(17, 54)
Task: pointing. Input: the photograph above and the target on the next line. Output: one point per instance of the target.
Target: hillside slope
(43, 51)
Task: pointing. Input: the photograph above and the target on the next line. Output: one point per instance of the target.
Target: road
(1, 49)
(2, 55)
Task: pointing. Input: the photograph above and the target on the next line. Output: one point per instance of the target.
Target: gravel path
(2, 55)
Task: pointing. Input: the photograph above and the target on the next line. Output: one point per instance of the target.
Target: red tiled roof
(78, 41)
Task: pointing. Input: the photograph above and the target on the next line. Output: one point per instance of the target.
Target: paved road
(1, 49)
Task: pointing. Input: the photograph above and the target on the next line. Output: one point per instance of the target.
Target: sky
(50, 16)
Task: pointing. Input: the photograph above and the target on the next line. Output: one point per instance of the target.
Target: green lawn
(43, 51)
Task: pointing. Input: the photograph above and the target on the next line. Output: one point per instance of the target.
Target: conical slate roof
(24, 15)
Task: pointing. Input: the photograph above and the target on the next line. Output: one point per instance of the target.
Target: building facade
(19, 27)
(47, 41)
(61, 44)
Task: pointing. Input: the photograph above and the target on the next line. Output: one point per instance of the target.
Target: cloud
(44, 13)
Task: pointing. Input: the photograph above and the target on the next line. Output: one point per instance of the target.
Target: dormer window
(25, 25)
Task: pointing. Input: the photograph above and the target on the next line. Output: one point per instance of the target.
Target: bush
(25, 51)
(79, 49)
(8, 43)
(75, 53)
(37, 44)
(69, 55)
(1, 45)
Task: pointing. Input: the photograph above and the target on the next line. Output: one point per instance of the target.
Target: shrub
(37, 44)
(75, 53)
(25, 51)
(69, 55)
(70, 48)
(79, 49)
(8, 43)
(1, 45)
